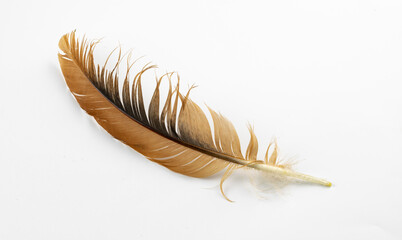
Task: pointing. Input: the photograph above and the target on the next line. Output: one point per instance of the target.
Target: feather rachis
(179, 139)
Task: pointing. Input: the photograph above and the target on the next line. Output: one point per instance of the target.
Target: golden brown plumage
(179, 139)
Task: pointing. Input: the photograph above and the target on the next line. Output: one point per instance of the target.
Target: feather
(179, 139)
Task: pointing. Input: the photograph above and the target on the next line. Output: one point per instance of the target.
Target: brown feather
(180, 140)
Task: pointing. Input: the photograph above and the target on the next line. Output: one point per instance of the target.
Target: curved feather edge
(179, 139)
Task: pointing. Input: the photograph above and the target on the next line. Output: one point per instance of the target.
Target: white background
(324, 77)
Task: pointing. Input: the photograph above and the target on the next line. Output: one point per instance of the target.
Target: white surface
(322, 76)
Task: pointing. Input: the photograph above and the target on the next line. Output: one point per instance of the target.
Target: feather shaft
(292, 174)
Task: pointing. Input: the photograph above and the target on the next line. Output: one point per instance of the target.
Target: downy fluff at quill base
(176, 135)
